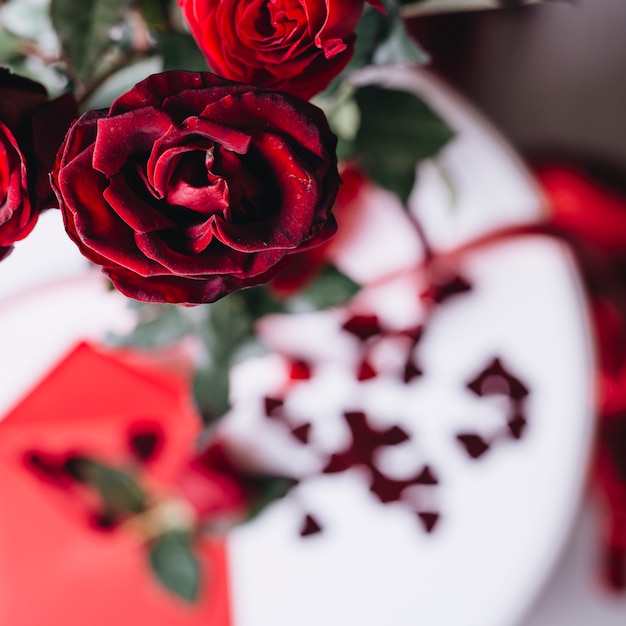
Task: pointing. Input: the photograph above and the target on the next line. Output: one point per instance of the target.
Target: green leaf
(10, 46)
(211, 390)
(155, 12)
(267, 489)
(330, 288)
(176, 566)
(180, 52)
(397, 130)
(372, 28)
(400, 48)
(120, 493)
(84, 29)
(259, 302)
(344, 119)
(224, 328)
(158, 324)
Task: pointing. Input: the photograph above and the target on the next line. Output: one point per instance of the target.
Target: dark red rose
(17, 216)
(28, 142)
(297, 46)
(191, 186)
(299, 270)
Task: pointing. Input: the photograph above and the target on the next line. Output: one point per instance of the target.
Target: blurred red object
(55, 567)
(588, 209)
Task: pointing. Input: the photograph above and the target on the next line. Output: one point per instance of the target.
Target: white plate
(503, 517)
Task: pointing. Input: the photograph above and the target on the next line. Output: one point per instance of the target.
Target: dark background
(551, 77)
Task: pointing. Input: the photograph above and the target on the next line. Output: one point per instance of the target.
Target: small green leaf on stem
(180, 52)
(267, 489)
(373, 27)
(176, 566)
(225, 328)
(330, 288)
(157, 324)
(121, 495)
(398, 130)
(155, 13)
(399, 48)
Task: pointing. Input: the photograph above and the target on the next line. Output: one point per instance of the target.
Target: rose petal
(342, 17)
(137, 214)
(121, 136)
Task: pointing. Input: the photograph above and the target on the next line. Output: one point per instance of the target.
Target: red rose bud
(28, 142)
(296, 46)
(191, 186)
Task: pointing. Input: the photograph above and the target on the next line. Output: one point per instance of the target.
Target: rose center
(192, 184)
(281, 21)
(191, 170)
(201, 187)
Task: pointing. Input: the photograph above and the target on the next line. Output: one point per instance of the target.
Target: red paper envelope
(56, 568)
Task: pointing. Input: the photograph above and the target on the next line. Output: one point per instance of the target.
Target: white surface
(574, 595)
(503, 516)
(50, 299)
(46, 255)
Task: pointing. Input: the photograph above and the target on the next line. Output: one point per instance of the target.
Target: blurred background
(552, 78)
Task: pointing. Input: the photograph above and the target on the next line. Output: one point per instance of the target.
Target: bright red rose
(28, 142)
(191, 186)
(297, 46)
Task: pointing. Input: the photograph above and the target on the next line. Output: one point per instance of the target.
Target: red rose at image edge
(296, 46)
(31, 130)
(192, 186)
